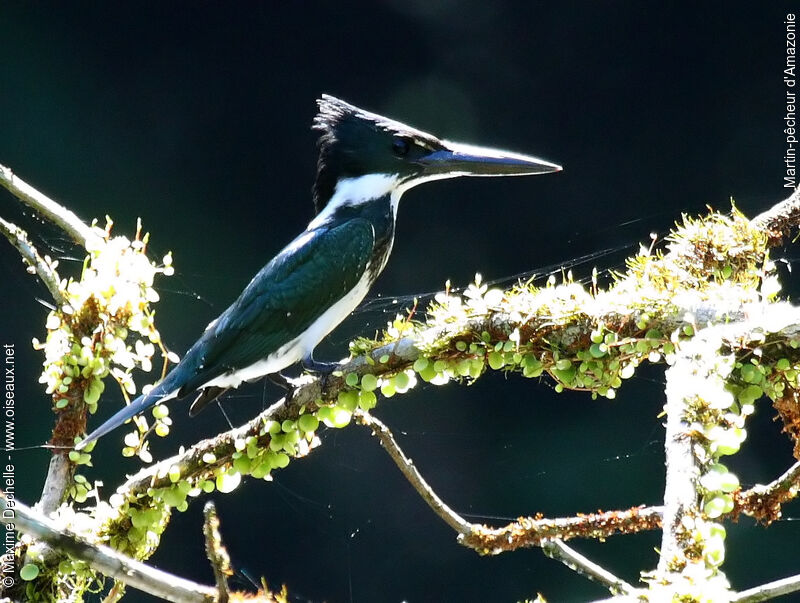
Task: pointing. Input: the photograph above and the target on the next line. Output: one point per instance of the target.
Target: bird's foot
(323, 370)
(313, 366)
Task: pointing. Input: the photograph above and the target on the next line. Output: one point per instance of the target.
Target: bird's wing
(279, 303)
(283, 300)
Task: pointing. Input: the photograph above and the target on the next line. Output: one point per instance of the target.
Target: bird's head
(354, 144)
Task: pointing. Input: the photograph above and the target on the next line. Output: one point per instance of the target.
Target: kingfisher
(366, 162)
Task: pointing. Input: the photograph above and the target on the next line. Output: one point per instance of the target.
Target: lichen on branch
(88, 335)
(710, 271)
(588, 339)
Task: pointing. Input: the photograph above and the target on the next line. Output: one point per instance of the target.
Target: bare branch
(60, 469)
(104, 559)
(525, 531)
(215, 550)
(764, 501)
(56, 213)
(552, 547)
(558, 550)
(770, 590)
(44, 269)
(59, 475)
(406, 466)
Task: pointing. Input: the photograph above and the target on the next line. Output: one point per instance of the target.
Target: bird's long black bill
(468, 160)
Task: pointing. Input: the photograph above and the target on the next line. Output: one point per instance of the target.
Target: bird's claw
(313, 366)
(322, 370)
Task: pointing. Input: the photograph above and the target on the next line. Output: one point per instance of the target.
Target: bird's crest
(347, 137)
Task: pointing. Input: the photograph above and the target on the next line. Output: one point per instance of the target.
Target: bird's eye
(400, 146)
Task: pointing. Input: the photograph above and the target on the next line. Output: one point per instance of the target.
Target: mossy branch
(716, 271)
(712, 271)
(764, 502)
(710, 390)
(87, 330)
(44, 267)
(60, 469)
(587, 340)
(101, 558)
(781, 222)
(56, 213)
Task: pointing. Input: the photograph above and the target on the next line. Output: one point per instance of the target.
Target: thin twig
(770, 590)
(558, 550)
(780, 220)
(104, 559)
(55, 212)
(406, 466)
(44, 269)
(528, 532)
(215, 551)
(60, 469)
(764, 501)
(552, 547)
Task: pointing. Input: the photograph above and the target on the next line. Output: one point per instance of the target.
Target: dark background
(195, 116)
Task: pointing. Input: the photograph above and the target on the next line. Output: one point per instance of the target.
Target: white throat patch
(354, 191)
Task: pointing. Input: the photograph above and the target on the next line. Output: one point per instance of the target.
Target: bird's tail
(165, 390)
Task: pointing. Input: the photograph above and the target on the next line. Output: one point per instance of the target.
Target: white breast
(351, 191)
(301, 346)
